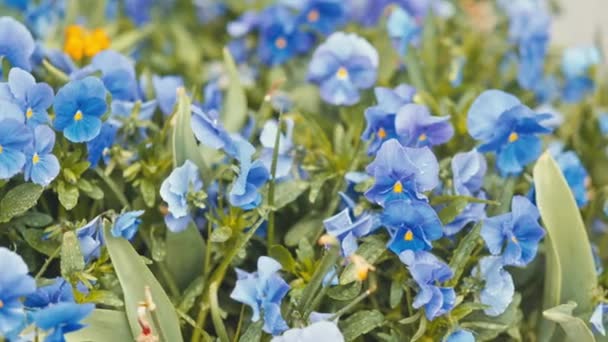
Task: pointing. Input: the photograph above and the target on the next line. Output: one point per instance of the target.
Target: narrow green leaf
(148, 192)
(570, 273)
(345, 292)
(18, 200)
(184, 143)
(283, 256)
(361, 323)
(462, 254)
(253, 332)
(234, 114)
(574, 327)
(134, 276)
(71, 257)
(449, 212)
(396, 293)
(103, 325)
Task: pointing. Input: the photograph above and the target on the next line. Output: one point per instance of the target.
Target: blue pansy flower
(417, 127)
(33, 99)
(41, 165)
(576, 64)
(252, 176)
(210, 132)
(174, 190)
(17, 44)
(412, 224)
(165, 88)
(323, 16)
(285, 147)
(138, 10)
(99, 147)
(498, 289)
(402, 172)
(61, 319)
(15, 138)
(516, 234)
(574, 171)
(342, 227)
(90, 237)
(599, 317)
(403, 29)
(460, 335)
(342, 66)
(316, 332)
(381, 117)
(366, 12)
(505, 126)
(79, 106)
(427, 270)
(15, 282)
(127, 224)
(117, 74)
(263, 292)
(57, 292)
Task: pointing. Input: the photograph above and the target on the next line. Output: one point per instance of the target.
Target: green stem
(240, 324)
(55, 72)
(328, 260)
(352, 304)
(47, 263)
(216, 317)
(271, 186)
(114, 187)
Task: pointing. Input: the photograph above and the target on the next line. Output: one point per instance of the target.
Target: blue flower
(127, 224)
(61, 318)
(509, 128)
(57, 292)
(366, 12)
(252, 176)
(576, 64)
(468, 170)
(117, 74)
(473, 212)
(17, 44)
(41, 166)
(402, 172)
(427, 271)
(460, 335)
(323, 16)
(316, 332)
(15, 138)
(342, 66)
(412, 224)
(33, 99)
(403, 29)
(498, 290)
(90, 237)
(597, 318)
(165, 88)
(79, 106)
(381, 117)
(99, 147)
(175, 189)
(417, 127)
(574, 171)
(210, 132)
(517, 231)
(263, 291)
(14, 284)
(138, 10)
(342, 227)
(285, 147)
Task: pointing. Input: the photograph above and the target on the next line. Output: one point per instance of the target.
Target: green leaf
(449, 212)
(253, 332)
(574, 327)
(463, 252)
(570, 273)
(104, 297)
(487, 328)
(185, 255)
(134, 276)
(395, 293)
(36, 220)
(284, 257)
(220, 234)
(361, 323)
(191, 293)
(71, 257)
(101, 326)
(287, 192)
(305, 229)
(345, 292)
(18, 200)
(68, 195)
(184, 143)
(35, 238)
(148, 192)
(234, 114)
(371, 249)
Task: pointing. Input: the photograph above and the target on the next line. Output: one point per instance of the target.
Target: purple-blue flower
(597, 319)
(165, 88)
(99, 147)
(412, 224)
(244, 192)
(41, 165)
(117, 74)
(342, 66)
(15, 138)
(17, 44)
(285, 147)
(574, 171)
(498, 289)
(403, 29)
(15, 282)
(427, 270)
(57, 292)
(79, 106)
(323, 16)
(33, 99)
(460, 335)
(174, 190)
(316, 332)
(61, 318)
(90, 237)
(507, 127)
(417, 127)
(576, 64)
(263, 292)
(342, 227)
(402, 172)
(516, 234)
(127, 224)
(381, 117)
(210, 132)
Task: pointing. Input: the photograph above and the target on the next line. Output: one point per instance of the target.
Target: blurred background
(579, 22)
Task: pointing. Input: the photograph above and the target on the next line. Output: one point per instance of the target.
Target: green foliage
(18, 200)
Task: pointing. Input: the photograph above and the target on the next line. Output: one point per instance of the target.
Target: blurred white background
(579, 22)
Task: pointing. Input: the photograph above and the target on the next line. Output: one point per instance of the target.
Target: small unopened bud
(362, 267)
(149, 301)
(328, 240)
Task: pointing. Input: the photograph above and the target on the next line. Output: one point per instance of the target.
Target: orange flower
(80, 42)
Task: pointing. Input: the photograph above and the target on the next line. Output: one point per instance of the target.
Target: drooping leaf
(570, 273)
(103, 325)
(574, 327)
(234, 113)
(18, 200)
(134, 276)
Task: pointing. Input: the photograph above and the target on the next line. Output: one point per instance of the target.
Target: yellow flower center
(29, 113)
(417, 99)
(409, 236)
(398, 187)
(313, 16)
(342, 73)
(80, 42)
(422, 137)
(1, 149)
(78, 116)
(35, 158)
(381, 133)
(513, 137)
(280, 43)
(514, 239)
(1, 304)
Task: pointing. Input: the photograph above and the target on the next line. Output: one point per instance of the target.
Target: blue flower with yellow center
(412, 224)
(33, 99)
(15, 137)
(41, 166)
